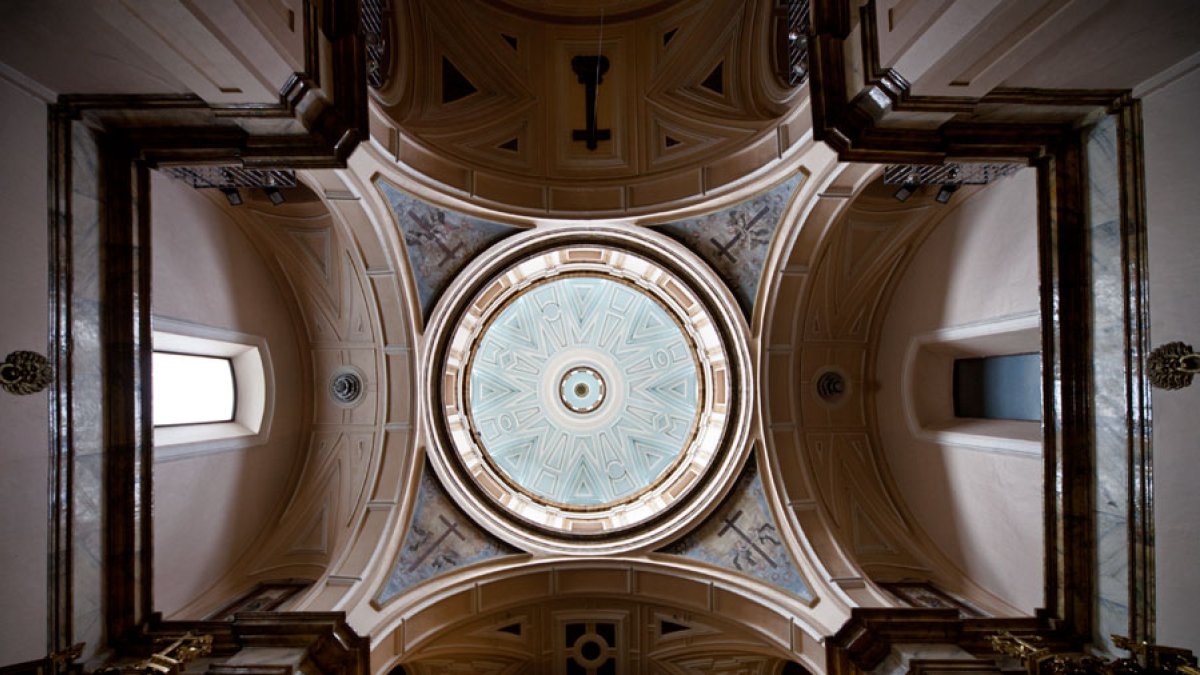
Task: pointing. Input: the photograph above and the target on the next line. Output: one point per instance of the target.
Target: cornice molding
(852, 121)
(869, 637)
(316, 123)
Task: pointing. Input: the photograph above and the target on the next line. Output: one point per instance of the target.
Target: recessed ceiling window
(213, 389)
(999, 387)
(191, 389)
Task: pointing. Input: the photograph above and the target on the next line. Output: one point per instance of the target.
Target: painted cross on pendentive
(433, 234)
(731, 525)
(743, 227)
(451, 529)
(590, 70)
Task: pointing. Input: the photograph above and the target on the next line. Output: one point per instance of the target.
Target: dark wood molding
(120, 260)
(319, 119)
(314, 124)
(1042, 127)
(1135, 256)
(1065, 273)
(59, 603)
(868, 638)
(850, 121)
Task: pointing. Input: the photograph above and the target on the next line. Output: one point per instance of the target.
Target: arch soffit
(345, 268)
(740, 139)
(823, 308)
(472, 594)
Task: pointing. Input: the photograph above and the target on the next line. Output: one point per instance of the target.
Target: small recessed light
(906, 190)
(232, 194)
(944, 194)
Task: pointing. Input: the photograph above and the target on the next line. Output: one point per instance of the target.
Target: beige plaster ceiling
(485, 103)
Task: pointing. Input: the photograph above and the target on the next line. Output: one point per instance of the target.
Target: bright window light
(191, 389)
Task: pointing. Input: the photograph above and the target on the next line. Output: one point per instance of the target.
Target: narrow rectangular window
(999, 387)
(191, 389)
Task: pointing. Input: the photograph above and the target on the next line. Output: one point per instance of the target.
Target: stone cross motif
(590, 70)
(742, 227)
(432, 234)
(451, 528)
(750, 543)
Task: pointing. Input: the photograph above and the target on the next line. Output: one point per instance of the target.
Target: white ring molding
(709, 463)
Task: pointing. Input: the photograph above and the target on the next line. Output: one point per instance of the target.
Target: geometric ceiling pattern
(584, 390)
(595, 114)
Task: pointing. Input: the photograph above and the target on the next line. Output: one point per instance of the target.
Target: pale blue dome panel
(584, 390)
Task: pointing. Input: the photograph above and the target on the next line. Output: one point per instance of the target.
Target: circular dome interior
(589, 391)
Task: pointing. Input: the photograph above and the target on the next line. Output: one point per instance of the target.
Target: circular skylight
(583, 390)
(588, 397)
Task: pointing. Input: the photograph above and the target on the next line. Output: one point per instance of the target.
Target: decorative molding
(871, 123)
(24, 373)
(1171, 365)
(677, 279)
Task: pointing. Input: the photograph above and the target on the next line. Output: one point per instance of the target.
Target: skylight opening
(191, 389)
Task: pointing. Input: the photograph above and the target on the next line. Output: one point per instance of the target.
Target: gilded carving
(25, 373)
(1172, 366)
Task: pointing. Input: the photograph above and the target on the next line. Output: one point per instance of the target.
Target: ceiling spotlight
(274, 195)
(232, 194)
(944, 194)
(906, 190)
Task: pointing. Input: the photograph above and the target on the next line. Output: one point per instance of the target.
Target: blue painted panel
(584, 390)
(743, 536)
(735, 240)
(439, 242)
(439, 539)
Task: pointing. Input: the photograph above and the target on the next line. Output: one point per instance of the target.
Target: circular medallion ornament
(588, 393)
(582, 390)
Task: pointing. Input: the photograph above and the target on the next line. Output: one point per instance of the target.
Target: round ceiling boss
(588, 387)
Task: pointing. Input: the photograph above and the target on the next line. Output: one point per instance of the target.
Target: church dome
(589, 390)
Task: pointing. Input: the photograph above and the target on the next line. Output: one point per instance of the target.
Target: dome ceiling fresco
(583, 391)
(586, 390)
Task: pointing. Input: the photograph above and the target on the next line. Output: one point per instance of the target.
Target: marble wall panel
(87, 394)
(1108, 344)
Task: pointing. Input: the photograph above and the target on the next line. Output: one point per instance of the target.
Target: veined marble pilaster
(85, 422)
(1111, 434)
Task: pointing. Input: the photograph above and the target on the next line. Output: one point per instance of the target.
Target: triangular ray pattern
(632, 349)
(455, 85)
